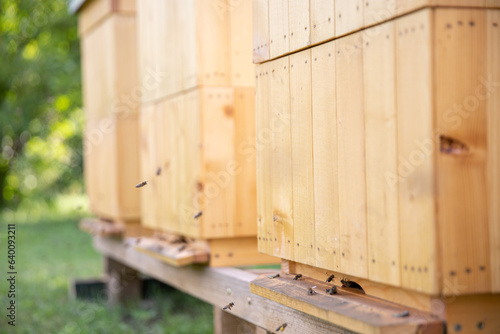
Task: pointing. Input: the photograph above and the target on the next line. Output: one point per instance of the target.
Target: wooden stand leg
(124, 285)
(226, 323)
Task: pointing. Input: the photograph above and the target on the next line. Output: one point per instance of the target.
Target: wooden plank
(322, 20)
(326, 192)
(353, 311)
(298, 19)
(237, 252)
(219, 286)
(148, 193)
(187, 22)
(386, 292)
(302, 157)
(416, 153)
(213, 40)
(218, 138)
(278, 28)
(382, 219)
(146, 48)
(473, 314)
(263, 149)
(260, 21)
(348, 16)
(351, 155)
(493, 153)
(242, 70)
(92, 14)
(226, 323)
(281, 164)
(246, 193)
(123, 284)
(461, 174)
(376, 11)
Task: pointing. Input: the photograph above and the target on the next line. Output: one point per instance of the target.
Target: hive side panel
(263, 149)
(348, 16)
(188, 49)
(213, 41)
(351, 155)
(278, 28)
(146, 50)
(298, 19)
(281, 157)
(416, 149)
(218, 134)
(260, 22)
(326, 192)
(461, 117)
(376, 11)
(92, 14)
(322, 20)
(302, 157)
(244, 165)
(382, 218)
(242, 69)
(493, 121)
(149, 200)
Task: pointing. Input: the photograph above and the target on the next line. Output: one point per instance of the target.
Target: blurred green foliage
(41, 120)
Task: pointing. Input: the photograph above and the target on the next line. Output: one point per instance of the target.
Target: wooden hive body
(383, 162)
(108, 39)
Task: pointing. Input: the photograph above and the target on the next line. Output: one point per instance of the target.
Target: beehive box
(109, 68)
(197, 125)
(382, 162)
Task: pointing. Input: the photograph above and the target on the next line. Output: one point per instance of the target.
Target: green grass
(51, 250)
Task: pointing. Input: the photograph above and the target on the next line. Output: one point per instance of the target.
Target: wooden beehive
(382, 162)
(197, 125)
(109, 68)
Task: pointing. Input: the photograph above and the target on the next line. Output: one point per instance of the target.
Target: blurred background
(42, 189)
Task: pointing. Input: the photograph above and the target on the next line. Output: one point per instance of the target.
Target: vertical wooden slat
(416, 160)
(493, 144)
(322, 20)
(263, 148)
(382, 218)
(278, 28)
(164, 162)
(302, 157)
(326, 196)
(351, 155)
(187, 24)
(281, 164)
(376, 11)
(348, 16)
(461, 118)
(298, 19)
(241, 43)
(244, 165)
(260, 20)
(217, 123)
(147, 152)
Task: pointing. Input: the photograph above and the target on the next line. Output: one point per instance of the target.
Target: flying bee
(297, 277)
(158, 171)
(142, 184)
(273, 276)
(332, 291)
(281, 328)
(311, 291)
(330, 278)
(198, 215)
(228, 306)
(402, 314)
(183, 247)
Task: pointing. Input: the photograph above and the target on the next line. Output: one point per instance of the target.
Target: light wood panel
(298, 20)
(281, 164)
(241, 43)
(461, 117)
(348, 16)
(376, 11)
(493, 141)
(351, 155)
(322, 20)
(326, 196)
(148, 193)
(382, 217)
(278, 28)
(302, 157)
(416, 153)
(260, 23)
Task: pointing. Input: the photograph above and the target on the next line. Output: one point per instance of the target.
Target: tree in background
(40, 97)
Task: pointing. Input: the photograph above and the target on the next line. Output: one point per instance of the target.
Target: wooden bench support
(124, 284)
(226, 323)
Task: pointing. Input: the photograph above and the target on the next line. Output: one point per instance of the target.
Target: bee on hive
(281, 328)
(142, 184)
(228, 306)
(330, 278)
(297, 277)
